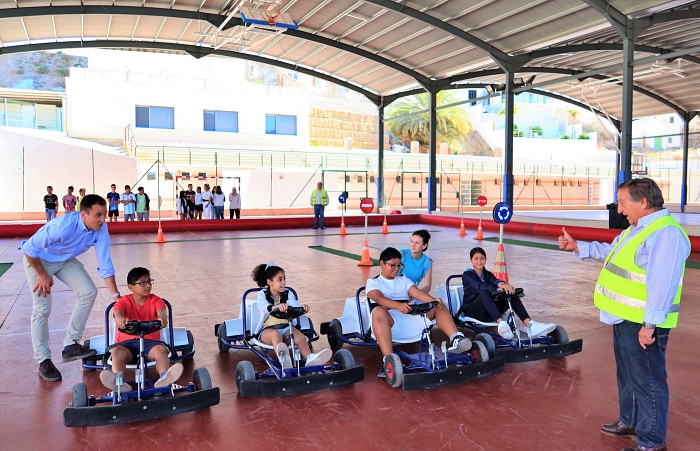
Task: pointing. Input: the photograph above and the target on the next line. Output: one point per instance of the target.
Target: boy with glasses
(141, 305)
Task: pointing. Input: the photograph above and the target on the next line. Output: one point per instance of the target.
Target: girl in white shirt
(274, 331)
(218, 199)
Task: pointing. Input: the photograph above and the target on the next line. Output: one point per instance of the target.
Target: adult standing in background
(129, 201)
(207, 202)
(52, 251)
(113, 200)
(190, 196)
(50, 203)
(319, 200)
(81, 194)
(218, 200)
(417, 266)
(198, 207)
(143, 205)
(235, 204)
(69, 201)
(638, 292)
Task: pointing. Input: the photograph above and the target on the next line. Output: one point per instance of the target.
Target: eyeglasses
(394, 265)
(145, 282)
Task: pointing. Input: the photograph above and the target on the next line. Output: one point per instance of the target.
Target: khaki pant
(73, 274)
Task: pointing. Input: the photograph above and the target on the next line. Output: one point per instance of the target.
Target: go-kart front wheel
(220, 335)
(201, 379)
(559, 335)
(79, 397)
(479, 352)
(244, 372)
(393, 370)
(335, 330)
(344, 359)
(487, 340)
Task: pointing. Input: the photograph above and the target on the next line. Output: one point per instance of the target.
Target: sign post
(502, 214)
(342, 199)
(481, 200)
(367, 206)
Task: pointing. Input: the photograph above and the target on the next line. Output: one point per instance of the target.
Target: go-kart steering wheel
(417, 309)
(291, 313)
(134, 327)
(502, 295)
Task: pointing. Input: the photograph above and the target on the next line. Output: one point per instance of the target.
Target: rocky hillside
(41, 71)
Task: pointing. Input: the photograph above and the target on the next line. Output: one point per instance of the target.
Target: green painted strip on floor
(342, 253)
(257, 237)
(554, 247)
(4, 267)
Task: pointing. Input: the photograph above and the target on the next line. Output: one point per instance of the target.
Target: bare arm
(162, 314)
(387, 303)
(111, 283)
(428, 281)
(120, 319)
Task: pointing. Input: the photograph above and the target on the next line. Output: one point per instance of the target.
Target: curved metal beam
(214, 19)
(498, 55)
(193, 50)
(681, 14)
(527, 57)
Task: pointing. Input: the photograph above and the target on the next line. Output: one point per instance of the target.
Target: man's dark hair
(389, 253)
(49, 187)
(135, 274)
(644, 188)
(127, 187)
(90, 201)
(70, 187)
(140, 188)
(113, 185)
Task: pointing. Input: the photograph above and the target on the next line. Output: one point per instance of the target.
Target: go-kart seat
(455, 303)
(132, 366)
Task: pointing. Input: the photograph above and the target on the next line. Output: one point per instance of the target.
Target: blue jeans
(50, 214)
(641, 382)
(218, 212)
(318, 213)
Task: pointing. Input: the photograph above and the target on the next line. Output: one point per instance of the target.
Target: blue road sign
(502, 213)
(342, 199)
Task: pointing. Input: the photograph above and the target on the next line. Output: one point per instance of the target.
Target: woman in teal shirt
(417, 266)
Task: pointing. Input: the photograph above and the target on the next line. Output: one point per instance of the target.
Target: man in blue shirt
(52, 251)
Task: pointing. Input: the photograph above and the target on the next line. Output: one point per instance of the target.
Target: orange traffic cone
(385, 228)
(462, 231)
(479, 232)
(499, 268)
(365, 260)
(343, 232)
(160, 238)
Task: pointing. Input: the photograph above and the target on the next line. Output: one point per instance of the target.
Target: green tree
(452, 123)
(503, 111)
(573, 115)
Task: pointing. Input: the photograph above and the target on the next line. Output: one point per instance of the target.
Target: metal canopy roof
(386, 49)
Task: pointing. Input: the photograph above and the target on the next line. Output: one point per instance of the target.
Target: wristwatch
(116, 295)
(649, 325)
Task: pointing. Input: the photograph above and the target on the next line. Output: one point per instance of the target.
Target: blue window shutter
(227, 121)
(162, 117)
(286, 125)
(142, 116)
(270, 124)
(209, 121)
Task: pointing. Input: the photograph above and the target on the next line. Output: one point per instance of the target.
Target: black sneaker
(77, 351)
(48, 371)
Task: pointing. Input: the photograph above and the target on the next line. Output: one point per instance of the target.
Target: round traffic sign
(481, 200)
(342, 199)
(366, 205)
(502, 213)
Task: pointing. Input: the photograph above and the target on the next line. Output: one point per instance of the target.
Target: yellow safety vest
(621, 288)
(324, 197)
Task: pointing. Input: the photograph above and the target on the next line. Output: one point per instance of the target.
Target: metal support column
(625, 169)
(508, 147)
(684, 177)
(380, 158)
(432, 159)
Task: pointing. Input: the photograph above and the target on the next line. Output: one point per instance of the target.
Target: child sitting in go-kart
(141, 305)
(478, 283)
(390, 295)
(274, 331)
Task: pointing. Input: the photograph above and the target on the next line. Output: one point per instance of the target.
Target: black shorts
(198, 207)
(113, 213)
(133, 346)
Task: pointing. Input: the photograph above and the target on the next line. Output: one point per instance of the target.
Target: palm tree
(452, 123)
(503, 111)
(573, 114)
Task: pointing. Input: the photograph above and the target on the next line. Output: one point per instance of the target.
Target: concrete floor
(546, 405)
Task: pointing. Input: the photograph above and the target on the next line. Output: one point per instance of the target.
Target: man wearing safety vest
(319, 200)
(638, 292)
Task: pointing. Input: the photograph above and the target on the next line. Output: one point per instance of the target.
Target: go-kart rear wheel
(344, 359)
(221, 334)
(244, 372)
(487, 340)
(559, 335)
(201, 379)
(393, 370)
(88, 361)
(479, 352)
(335, 329)
(79, 396)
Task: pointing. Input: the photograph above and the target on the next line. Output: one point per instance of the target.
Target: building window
(347, 179)
(168, 176)
(277, 124)
(155, 117)
(670, 140)
(359, 179)
(671, 119)
(371, 179)
(151, 176)
(221, 121)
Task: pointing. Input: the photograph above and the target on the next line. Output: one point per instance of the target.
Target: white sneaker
(504, 330)
(109, 380)
(460, 344)
(283, 355)
(536, 329)
(170, 376)
(320, 358)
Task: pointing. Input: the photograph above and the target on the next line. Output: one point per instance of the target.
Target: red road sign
(481, 200)
(367, 205)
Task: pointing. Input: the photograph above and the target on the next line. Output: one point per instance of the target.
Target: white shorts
(406, 328)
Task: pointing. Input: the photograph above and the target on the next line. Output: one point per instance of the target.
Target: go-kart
(278, 379)
(143, 401)
(522, 347)
(432, 366)
(179, 341)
